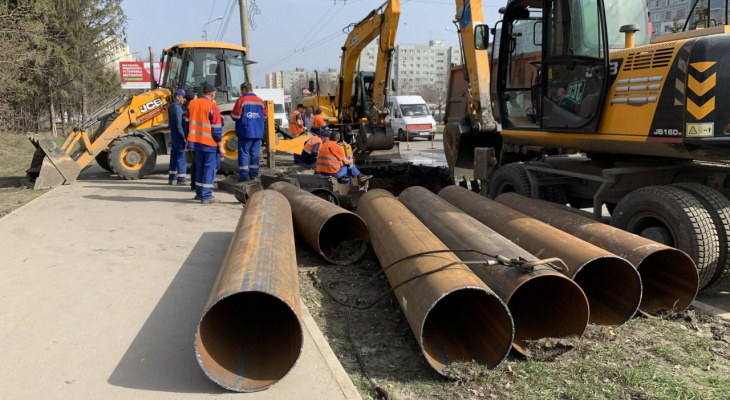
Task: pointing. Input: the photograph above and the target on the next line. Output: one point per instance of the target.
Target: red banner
(136, 75)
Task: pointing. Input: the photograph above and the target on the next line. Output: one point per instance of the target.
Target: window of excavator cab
(236, 73)
(575, 29)
(626, 12)
(202, 69)
(174, 68)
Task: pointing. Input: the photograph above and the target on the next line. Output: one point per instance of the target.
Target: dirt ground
(676, 356)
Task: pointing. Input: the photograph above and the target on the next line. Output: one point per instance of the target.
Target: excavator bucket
(376, 144)
(51, 166)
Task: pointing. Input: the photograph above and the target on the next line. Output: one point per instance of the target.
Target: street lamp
(205, 34)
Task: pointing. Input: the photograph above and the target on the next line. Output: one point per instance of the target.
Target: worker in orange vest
(312, 146)
(332, 161)
(317, 121)
(205, 133)
(296, 125)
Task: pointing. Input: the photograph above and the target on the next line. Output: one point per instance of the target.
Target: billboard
(136, 74)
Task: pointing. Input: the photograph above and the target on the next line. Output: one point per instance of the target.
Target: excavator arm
(382, 22)
(469, 119)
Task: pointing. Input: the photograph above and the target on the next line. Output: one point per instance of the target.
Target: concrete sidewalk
(102, 284)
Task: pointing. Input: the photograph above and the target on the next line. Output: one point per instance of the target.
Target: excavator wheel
(229, 164)
(103, 160)
(673, 217)
(510, 178)
(132, 157)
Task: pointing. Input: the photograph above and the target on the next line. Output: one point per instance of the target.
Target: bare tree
(435, 93)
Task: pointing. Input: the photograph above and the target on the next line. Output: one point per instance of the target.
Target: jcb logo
(151, 105)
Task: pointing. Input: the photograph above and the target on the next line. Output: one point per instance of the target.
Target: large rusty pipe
(611, 284)
(543, 302)
(250, 334)
(453, 314)
(669, 275)
(337, 234)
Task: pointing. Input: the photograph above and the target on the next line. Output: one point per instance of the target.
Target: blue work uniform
(249, 112)
(178, 137)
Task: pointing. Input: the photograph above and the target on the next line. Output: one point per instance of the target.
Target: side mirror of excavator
(481, 37)
(537, 33)
(311, 86)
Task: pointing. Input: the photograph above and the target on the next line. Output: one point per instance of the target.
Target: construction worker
(190, 95)
(308, 115)
(178, 165)
(249, 113)
(296, 122)
(317, 121)
(332, 161)
(312, 146)
(204, 137)
(296, 125)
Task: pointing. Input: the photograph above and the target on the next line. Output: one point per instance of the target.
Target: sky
(287, 33)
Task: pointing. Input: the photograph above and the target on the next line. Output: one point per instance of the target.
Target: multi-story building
(667, 16)
(414, 67)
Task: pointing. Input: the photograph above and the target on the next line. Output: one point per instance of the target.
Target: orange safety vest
(330, 158)
(309, 145)
(203, 116)
(294, 127)
(317, 121)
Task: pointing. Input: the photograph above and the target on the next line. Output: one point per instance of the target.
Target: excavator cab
(554, 67)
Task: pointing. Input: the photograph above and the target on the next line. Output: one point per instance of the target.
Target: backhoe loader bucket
(51, 166)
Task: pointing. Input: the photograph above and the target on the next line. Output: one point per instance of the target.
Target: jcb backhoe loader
(591, 113)
(360, 98)
(126, 135)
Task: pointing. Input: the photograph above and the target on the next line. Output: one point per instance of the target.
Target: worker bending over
(312, 147)
(296, 125)
(249, 113)
(204, 137)
(317, 121)
(332, 161)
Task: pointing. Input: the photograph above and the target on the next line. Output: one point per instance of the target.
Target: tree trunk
(63, 119)
(52, 110)
(84, 100)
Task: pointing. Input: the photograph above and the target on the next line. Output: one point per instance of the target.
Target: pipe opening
(613, 288)
(670, 281)
(343, 238)
(465, 325)
(548, 306)
(248, 341)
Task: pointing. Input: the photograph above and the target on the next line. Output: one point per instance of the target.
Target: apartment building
(667, 16)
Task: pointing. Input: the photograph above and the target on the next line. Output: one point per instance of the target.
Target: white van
(410, 115)
(277, 96)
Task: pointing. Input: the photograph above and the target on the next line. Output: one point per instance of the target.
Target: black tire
(229, 164)
(674, 216)
(719, 208)
(551, 193)
(102, 159)
(326, 195)
(401, 135)
(132, 157)
(510, 178)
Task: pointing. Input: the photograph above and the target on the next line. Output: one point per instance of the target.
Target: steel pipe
(669, 275)
(543, 302)
(250, 334)
(611, 284)
(453, 314)
(335, 233)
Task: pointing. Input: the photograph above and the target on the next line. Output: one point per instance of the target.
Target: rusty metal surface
(337, 234)
(669, 275)
(611, 284)
(543, 302)
(250, 334)
(453, 314)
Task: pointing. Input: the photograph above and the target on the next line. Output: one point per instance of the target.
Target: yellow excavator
(588, 111)
(360, 99)
(126, 135)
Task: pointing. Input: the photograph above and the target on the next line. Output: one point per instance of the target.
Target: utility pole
(244, 36)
